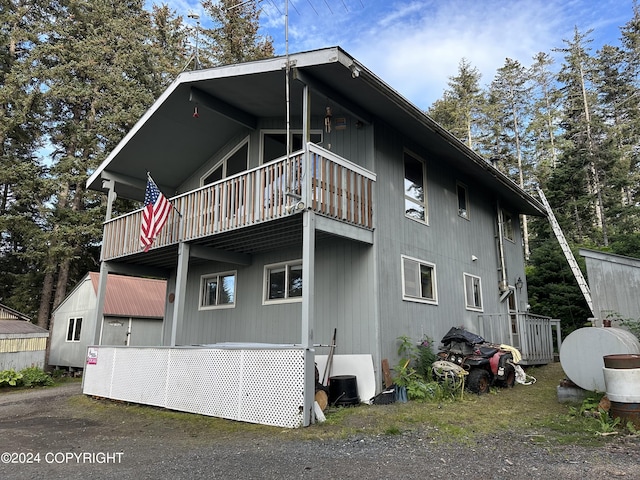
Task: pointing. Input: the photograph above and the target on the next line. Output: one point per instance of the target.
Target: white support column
(100, 294)
(111, 196)
(181, 290)
(308, 290)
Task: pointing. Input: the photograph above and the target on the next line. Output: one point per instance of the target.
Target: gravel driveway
(48, 434)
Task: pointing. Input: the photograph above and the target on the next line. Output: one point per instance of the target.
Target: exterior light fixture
(519, 283)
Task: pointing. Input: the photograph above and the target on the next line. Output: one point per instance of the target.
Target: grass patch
(531, 410)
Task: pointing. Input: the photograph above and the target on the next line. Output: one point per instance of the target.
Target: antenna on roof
(287, 72)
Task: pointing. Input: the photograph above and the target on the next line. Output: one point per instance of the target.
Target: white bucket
(622, 384)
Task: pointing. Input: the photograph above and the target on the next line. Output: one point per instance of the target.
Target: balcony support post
(100, 294)
(181, 290)
(308, 287)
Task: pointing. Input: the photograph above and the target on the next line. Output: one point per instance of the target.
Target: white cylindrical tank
(582, 352)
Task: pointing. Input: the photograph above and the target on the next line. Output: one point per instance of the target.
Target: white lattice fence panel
(140, 375)
(205, 381)
(253, 385)
(97, 376)
(272, 387)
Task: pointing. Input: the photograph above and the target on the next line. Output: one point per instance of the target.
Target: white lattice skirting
(257, 385)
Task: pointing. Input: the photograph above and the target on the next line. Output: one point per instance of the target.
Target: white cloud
(416, 45)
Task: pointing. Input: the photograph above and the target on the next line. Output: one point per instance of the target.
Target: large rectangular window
(472, 292)
(218, 290)
(415, 194)
(418, 281)
(283, 282)
(73, 329)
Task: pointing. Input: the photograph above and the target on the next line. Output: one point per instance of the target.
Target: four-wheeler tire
(509, 376)
(478, 381)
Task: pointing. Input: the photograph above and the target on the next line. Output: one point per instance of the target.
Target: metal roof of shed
(132, 296)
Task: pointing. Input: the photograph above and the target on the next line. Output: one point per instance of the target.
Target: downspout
(503, 284)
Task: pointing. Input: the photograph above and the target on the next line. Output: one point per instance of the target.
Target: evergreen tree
(576, 185)
(508, 98)
(545, 113)
(235, 36)
(97, 68)
(22, 185)
(461, 106)
(552, 288)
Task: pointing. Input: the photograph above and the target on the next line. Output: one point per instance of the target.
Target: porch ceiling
(170, 143)
(282, 233)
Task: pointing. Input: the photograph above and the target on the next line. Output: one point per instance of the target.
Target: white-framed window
(463, 200)
(415, 188)
(418, 281)
(507, 226)
(218, 290)
(74, 326)
(283, 282)
(473, 292)
(236, 161)
(273, 143)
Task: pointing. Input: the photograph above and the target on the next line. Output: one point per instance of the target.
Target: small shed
(133, 316)
(614, 281)
(22, 344)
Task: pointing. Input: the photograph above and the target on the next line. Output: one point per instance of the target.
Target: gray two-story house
(310, 196)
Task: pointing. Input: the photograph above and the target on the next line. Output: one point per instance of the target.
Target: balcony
(339, 190)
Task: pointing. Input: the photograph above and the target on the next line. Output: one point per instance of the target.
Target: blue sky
(416, 45)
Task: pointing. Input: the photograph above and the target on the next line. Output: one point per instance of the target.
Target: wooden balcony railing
(339, 189)
(531, 334)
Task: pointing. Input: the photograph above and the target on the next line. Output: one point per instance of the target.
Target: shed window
(218, 290)
(418, 281)
(283, 282)
(73, 329)
(473, 292)
(415, 198)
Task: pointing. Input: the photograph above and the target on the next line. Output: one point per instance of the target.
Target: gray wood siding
(358, 287)
(344, 286)
(449, 241)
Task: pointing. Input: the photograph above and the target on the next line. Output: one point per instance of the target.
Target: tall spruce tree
(576, 184)
(508, 115)
(545, 116)
(234, 37)
(23, 189)
(461, 105)
(97, 68)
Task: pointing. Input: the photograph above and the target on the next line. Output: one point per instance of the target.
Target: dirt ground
(55, 433)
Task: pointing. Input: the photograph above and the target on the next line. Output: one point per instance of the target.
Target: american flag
(154, 215)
